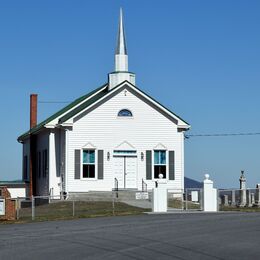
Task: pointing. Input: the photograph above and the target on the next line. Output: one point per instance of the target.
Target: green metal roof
(59, 113)
(83, 106)
(12, 182)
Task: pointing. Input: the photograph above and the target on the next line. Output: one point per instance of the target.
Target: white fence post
(160, 196)
(209, 195)
(33, 208)
(17, 206)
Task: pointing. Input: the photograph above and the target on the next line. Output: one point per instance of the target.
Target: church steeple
(121, 59)
(121, 42)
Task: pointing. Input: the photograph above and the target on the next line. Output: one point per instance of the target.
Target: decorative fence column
(233, 198)
(209, 195)
(225, 200)
(257, 203)
(249, 198)
(160, 196)
(242, 181)
(253, 199)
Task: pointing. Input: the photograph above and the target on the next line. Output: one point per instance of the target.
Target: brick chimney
(33, 110)
(33, 123)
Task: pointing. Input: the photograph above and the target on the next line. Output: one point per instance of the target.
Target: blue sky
(201, 59)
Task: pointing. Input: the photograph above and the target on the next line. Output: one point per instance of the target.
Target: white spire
(121, 59)
(121, 43)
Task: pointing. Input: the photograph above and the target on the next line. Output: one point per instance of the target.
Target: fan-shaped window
(125, 112)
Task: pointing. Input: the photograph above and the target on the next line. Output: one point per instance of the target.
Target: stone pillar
(257, 203)
(253, 199)
(225, 200)
(242, 181)
(160, 195)
(249, 202)
(233, 198)
(209, 195)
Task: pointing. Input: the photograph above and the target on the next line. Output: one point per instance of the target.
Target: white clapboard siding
(42, 183)
(103, 129)
(26, 152)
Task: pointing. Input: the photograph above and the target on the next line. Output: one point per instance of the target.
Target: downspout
(66, 168)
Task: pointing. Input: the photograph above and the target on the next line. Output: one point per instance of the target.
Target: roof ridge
(85, 104)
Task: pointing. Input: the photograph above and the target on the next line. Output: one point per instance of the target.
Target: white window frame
(81, 164)
(125, 117)
(167, 163)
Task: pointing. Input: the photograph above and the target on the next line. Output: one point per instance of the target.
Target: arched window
(125, 112)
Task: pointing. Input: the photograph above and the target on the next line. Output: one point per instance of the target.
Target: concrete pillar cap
(206, 176)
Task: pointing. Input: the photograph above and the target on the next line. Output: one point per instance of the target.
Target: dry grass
(62, 210)
(242, 209)
(176, 203)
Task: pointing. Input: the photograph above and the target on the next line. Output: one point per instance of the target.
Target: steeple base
(117, 77)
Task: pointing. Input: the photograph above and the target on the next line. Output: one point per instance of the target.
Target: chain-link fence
(90, 204)
(193, 199)
(235, 199)
(188, 199)
(175, 199)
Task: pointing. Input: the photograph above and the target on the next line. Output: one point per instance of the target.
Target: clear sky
(201, 59)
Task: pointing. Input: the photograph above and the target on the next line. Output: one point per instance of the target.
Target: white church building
(116, 134)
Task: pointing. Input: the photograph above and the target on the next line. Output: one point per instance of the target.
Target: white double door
(125, 170)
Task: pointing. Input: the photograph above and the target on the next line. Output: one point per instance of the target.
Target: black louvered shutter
(171, 165)
(100, 164)
(77, 164)
(148, 165)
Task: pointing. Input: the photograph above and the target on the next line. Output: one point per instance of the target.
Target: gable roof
(123, 85)
(91, 98)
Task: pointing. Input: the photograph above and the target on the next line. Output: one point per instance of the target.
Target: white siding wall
(42, 183)
(56, 160)
(105, 131)
(26, 152)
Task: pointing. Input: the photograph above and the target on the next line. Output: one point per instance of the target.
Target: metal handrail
(144, 186)
(116, 187)
(51, 192)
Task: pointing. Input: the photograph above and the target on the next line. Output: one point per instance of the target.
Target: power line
(221, 135)
(54, 102)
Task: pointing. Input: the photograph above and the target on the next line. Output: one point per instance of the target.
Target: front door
(125, 170)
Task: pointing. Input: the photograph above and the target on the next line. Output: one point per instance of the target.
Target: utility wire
(221, 135)
(54, 102)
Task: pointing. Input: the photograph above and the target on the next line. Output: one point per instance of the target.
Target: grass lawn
(243, 209)
(60, 210)
(177, 204)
